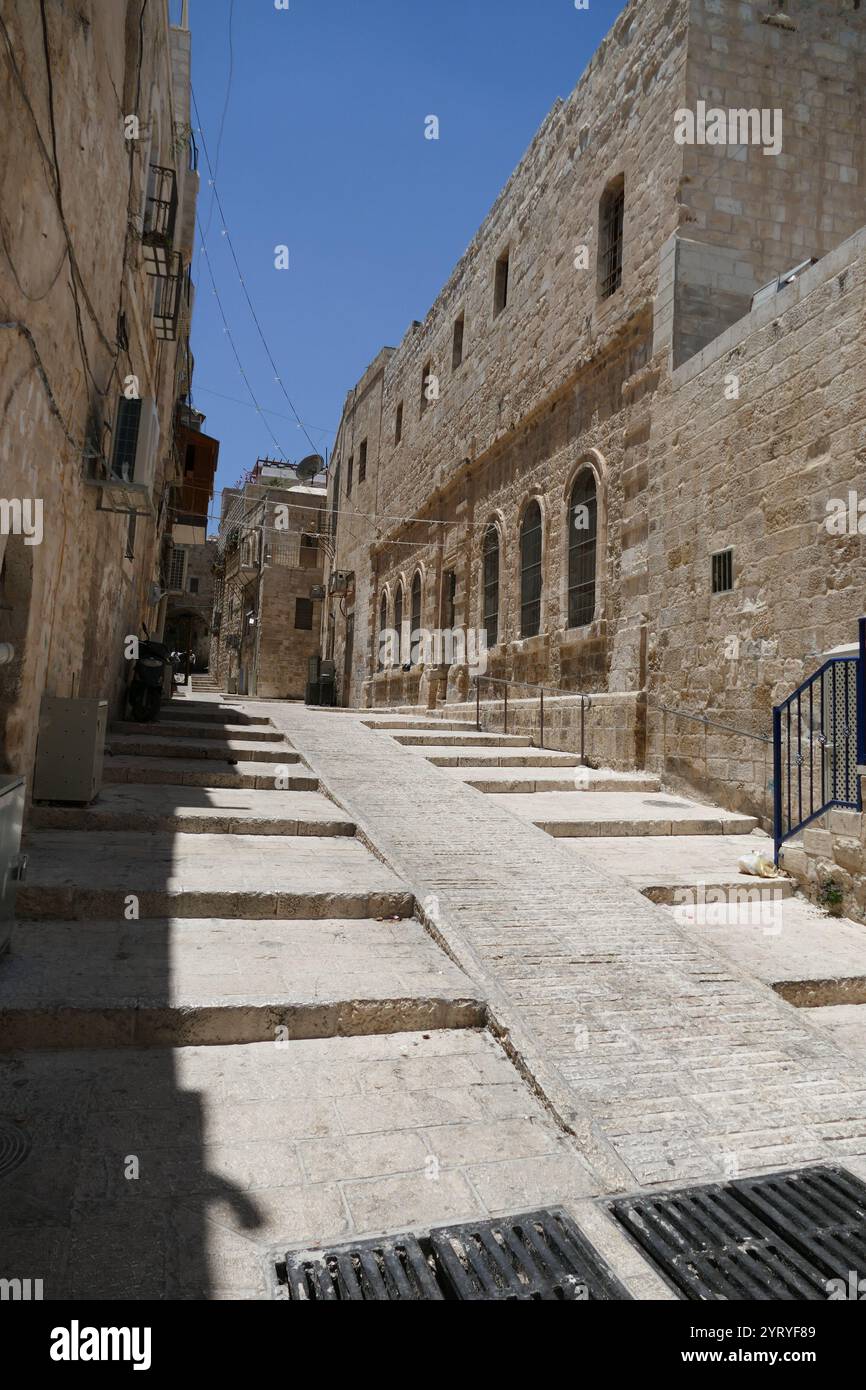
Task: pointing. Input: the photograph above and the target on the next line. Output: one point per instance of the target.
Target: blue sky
(323, 151)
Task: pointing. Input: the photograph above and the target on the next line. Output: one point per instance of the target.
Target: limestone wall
(72, 190)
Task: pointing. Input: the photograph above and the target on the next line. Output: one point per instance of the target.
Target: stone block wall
(77, 310)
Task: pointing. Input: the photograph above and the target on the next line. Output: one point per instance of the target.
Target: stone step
(79, 875)
(471, 739)
(811, 959)
(496, 757)
(188, 982)
(205, 772)
(846, 1025)
(496, 779)
(199, 810)
(668, 869)
(195, 712)
(389, 722)
(572, 814)
(154, 746)
(186, 729)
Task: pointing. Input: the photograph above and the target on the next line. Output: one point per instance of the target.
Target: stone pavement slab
(195, 810)
(241, 1151)
(624, 813)
(660, 1056)
(846, 1025)
(182, 982)
(78, 875)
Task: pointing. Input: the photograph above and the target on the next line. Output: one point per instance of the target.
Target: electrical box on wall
(70, 749)
(341, 581)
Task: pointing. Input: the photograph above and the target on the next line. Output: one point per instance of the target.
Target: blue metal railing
(819, 740)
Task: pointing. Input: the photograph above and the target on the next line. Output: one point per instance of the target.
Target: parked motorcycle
(148, 680)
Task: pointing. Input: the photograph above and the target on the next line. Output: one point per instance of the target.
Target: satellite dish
(309, 467)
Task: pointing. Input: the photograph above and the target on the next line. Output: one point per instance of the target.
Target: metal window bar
(582, 550)
(415, 638)
(530, 572)
(167, 301)
(491, 586)
(612, 221)
(160, 215)
(818, 736)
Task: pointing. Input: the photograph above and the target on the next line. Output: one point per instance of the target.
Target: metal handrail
(585, 702)
(710, 723)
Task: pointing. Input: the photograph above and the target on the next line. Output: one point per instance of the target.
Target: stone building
(190, 569)
(610, 445)
(98, 189)
(269, 563)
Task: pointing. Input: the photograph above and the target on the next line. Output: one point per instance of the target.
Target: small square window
(304, 614)
(457, 345)
(193, 586)
(362, 462)
(500, 285)
(723, 571)
(398, 424)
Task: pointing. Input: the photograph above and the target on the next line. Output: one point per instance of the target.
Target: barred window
(582, 547)
(398, 622)
(530, 571)
(415, 634)
(491, 585)
(611, 216)
(383, 628)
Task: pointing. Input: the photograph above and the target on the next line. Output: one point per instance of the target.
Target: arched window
(398, 622)
(530, 571)
(383, 628)
(491, 585)
(415, 633)
(582, 539)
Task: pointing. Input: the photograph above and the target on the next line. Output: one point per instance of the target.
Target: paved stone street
(663, 1057)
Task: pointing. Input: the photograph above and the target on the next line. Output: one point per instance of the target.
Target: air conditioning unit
(317, 593)
(136, 440)
(341, 581)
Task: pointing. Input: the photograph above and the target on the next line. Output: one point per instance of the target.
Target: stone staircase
(142, 923)
(681, 854)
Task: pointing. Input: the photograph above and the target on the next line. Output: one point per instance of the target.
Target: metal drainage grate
(783, 1236)
(375, 1270)
(14, 1147)
(537, 1256)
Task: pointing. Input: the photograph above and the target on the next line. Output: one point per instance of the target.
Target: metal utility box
(12, 862)
(70, 749)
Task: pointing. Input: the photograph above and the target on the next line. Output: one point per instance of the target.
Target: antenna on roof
(309, 467)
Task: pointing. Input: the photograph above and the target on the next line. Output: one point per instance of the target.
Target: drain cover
(368, 1271)
(538, 1256)
(777, 1237)
(14, 1147)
